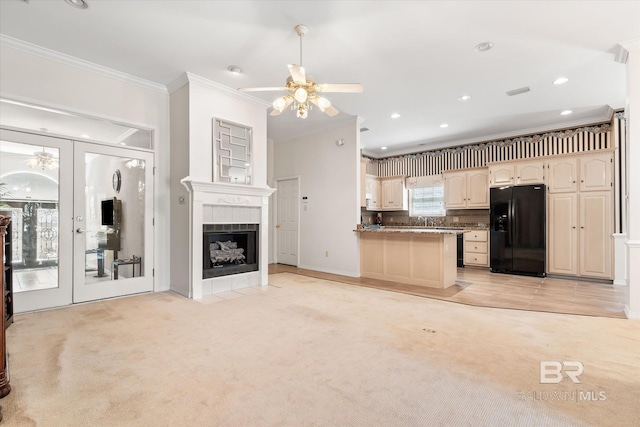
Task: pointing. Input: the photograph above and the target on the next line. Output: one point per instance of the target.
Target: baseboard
(633, 315)
(330, 270)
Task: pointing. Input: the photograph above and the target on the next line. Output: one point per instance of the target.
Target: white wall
(329, 178)
(62, 84)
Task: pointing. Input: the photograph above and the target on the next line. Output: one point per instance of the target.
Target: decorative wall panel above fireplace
(232, 152)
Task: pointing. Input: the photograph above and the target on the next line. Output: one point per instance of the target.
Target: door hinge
(154, 170)
(153, 222)
(153, 272)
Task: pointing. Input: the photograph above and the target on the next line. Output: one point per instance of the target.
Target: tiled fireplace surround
(223, 203)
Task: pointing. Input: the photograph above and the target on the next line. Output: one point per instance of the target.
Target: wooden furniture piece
(476, 248)
(5, 388)
(420, 257)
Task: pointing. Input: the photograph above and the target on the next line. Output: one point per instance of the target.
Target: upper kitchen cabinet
(529, 173)
(395, 196)
(519, 173)
(595, 172)
(501, 175)
(372, 193)
(562, 175)
(466, 189)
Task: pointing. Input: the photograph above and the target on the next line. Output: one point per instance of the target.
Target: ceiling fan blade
(328, 109)
(331, 111)
(340, 87)
(297, 73)
(275, 112)
(260, 89)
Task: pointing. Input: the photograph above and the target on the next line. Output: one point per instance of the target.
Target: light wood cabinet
(595, 237)
(501, 175)
(562, 233)
(476, 248)
(595, 172)
(363, 183)
(466, 189)
(580, 216)
(372, 190)
(529, 173)
(519, 173)
(455, 190)
(562, 175)
(394, 194)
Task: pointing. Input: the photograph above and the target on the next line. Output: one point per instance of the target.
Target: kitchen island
(415, 256)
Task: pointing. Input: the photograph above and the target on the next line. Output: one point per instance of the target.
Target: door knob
(277, 225)
(79, 230)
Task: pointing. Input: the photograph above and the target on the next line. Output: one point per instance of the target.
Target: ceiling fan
(304, 90)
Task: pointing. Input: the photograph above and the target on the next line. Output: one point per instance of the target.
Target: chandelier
(43, 160)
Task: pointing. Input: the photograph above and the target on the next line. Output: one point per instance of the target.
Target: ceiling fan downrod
(301, 30)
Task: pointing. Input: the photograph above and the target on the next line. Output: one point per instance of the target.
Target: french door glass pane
(29, 193)
(114, 217)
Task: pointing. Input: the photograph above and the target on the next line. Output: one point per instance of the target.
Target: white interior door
(287, 221)
(113, 222)
(38, 198)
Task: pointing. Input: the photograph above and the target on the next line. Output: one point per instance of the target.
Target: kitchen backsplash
(454, 218)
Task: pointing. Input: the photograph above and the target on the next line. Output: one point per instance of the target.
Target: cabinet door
(478, 189)
(529, 173)
(363, 183)
(455, 190)
(398, 194)
(387, 194)
(561, 176)
(595, 173)
(501, 175)
(562, 234)
(595, 234)
(373, 193)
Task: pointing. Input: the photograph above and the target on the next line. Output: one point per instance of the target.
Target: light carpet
(305, 351)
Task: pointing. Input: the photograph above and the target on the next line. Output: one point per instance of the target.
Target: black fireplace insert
(229, 249)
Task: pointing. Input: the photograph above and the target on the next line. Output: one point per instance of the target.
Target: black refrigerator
(517, 233)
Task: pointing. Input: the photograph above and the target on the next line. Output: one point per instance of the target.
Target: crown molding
(191, 78)
(43, 52)
(629, 45)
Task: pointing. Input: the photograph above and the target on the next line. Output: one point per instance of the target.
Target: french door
(81, 219)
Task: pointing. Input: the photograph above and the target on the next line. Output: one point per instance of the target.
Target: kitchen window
(427, 201)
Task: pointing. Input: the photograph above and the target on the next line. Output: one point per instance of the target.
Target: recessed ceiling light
(464, 98)
(395, 115)
(560, 81)
(44, 129)
(444, 125)
(84, 135)
(383, 148)
(80, 4)
(483, 47)
(566, 112)
(234, 69)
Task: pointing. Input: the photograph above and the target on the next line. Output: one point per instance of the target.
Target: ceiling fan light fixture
(279, 103)
(301, 95)
(323, 103)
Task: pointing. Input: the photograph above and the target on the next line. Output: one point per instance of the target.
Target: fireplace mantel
(224, 203)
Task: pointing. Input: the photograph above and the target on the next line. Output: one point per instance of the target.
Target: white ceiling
(413, 57)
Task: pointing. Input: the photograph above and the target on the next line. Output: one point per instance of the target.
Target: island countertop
(417, 230)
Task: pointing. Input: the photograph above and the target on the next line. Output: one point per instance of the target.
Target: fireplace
(236, 213)
(229, 249)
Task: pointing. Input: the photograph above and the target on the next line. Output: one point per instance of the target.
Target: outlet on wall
(326, 253)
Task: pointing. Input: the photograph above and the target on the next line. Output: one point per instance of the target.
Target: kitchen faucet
(426, 220)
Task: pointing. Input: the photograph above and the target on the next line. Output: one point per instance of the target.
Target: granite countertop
(407, 229)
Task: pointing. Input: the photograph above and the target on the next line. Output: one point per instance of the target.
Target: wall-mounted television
(111, 212)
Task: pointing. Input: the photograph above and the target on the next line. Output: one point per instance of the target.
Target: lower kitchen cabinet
(476, 248)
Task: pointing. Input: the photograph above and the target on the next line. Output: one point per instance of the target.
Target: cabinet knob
(582, 180)
(574, 226)
(574, 182)
(582, 227)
